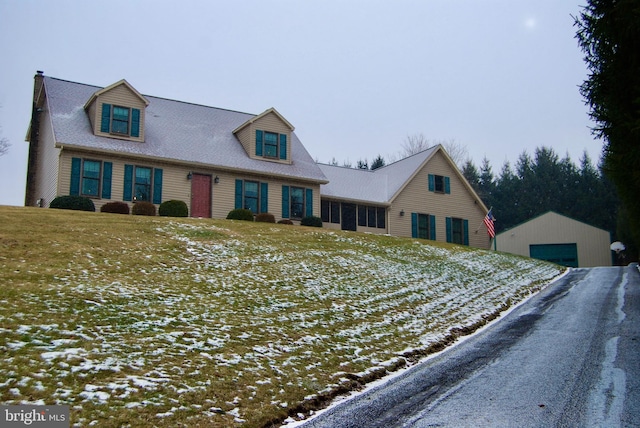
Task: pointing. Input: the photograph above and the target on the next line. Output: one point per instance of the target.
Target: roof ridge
(347, 167)
(407, 157)
(152, 96)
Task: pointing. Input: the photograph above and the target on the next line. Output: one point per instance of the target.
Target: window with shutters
(252, 195)
(439, 184)
(297, 202)
(271, 145)
(423, 226)
(142, 183)
(120, 121)
(91, 178)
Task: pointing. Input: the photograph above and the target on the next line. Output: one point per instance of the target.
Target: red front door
(201, 195)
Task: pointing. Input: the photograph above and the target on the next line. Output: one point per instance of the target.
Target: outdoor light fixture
(189, 176)
(216, 179)
(401, 213)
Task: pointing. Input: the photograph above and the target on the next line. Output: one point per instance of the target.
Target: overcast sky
(355, 78)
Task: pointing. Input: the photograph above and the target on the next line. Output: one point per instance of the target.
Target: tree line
(544, 183)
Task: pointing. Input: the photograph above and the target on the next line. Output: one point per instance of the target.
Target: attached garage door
(562, 254)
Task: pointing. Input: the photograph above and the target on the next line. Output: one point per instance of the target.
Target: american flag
(488, 221)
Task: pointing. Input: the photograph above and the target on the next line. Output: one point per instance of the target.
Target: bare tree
(418, 142)
(4, 145)
(457, 152)
(413, 144)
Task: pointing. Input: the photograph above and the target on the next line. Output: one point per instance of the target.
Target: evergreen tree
(486, 183)
(609, 35)
(377, 163)
(506, 199)
(362, 164)
(470, 172)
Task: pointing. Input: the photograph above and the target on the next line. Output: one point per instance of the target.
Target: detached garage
(558, 239)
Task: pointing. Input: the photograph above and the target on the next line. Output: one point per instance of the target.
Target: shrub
(265, 218)
(115, 207)
(143, 208)
(240, 214)
(285, 221)
(311, 221)
(79, 203)
(173, 208)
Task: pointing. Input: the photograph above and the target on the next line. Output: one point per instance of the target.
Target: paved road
(569, 357)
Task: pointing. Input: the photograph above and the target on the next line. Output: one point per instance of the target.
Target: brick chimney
(37, 86)
(30, 198)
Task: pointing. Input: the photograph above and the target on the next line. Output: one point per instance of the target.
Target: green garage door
(562, 254)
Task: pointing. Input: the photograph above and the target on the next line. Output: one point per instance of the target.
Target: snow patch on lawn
(252, 311)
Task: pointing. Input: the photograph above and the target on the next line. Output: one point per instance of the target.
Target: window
(382, 217)
(142, 184)
(362, 215)
(439, 184)
(120, 120)
(297, 202)
(330, 212)
(423, 226)
(270, 145)
(325, 211)
(335, 212)
(251, 196)
(457, 231)
(369, 216)
(90, 178)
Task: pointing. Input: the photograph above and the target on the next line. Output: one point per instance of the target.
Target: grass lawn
(154, 321)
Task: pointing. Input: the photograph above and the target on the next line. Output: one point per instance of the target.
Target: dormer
(266, 137)
(117, 111)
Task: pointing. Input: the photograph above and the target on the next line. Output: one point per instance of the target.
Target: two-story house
(114, 144)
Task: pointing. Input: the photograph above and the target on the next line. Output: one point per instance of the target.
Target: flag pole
(489, 222)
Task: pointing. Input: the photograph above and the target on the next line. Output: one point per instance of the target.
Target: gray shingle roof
(377, 186)
(174, 130)
(354, 184)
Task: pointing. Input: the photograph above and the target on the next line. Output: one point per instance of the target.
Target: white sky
(355, 78)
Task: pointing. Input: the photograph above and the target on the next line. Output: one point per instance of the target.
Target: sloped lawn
(138, 321)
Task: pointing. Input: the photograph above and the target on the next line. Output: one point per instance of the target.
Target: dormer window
(271, 145)
(120, 120)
